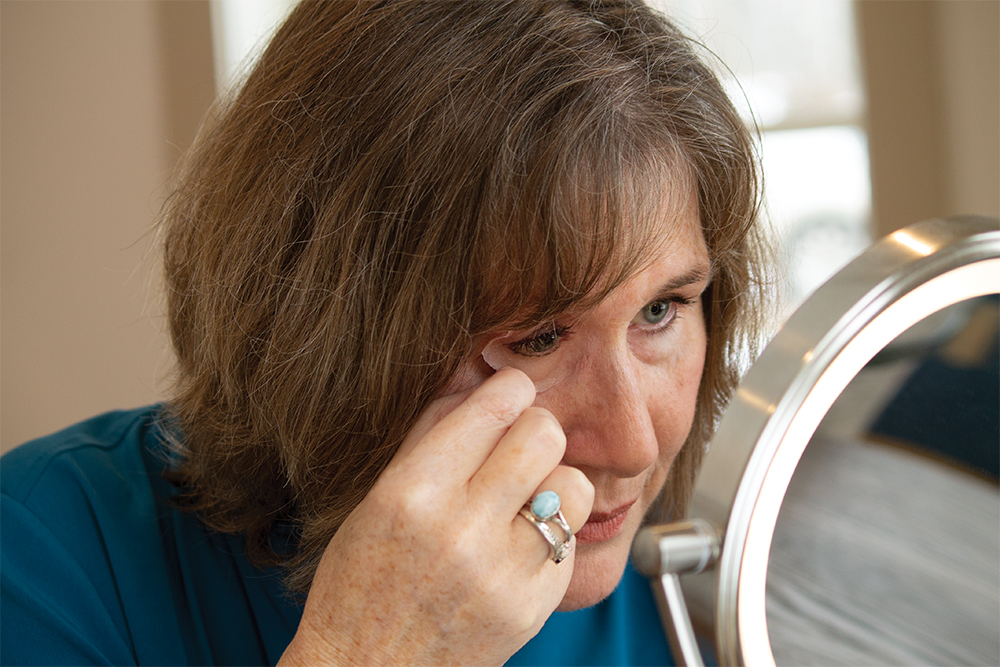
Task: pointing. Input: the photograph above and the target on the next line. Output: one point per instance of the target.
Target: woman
(431, 262)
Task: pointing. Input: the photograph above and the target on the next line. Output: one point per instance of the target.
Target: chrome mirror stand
(663, 553)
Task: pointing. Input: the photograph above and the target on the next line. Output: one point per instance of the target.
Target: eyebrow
(697, 274)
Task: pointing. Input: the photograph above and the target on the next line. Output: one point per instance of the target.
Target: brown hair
(394, 179)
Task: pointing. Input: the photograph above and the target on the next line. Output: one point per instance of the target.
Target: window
(240, 30)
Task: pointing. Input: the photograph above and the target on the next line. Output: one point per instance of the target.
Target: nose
(605, 414)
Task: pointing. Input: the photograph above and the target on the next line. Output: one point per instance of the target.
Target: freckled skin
(630, 408)
(435, 566)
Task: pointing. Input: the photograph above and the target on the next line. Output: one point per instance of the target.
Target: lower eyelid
(665, 323)
(662, 329)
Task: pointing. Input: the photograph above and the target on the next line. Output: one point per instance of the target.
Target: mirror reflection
(887, 547)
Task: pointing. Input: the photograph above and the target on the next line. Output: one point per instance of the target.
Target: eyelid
(545, 370)
(518, 345)
(675, 300)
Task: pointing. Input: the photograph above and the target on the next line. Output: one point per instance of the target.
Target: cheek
(673, 395)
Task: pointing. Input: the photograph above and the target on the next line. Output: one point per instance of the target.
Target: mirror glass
(887, 545)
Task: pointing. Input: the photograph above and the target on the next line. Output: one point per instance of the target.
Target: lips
(603, 526)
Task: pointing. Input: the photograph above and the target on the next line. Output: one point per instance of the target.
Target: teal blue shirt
(97, 567)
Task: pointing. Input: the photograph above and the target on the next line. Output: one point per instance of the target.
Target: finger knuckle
(546, 430)
(515, 619)
(578, 479)
(500, 407)
(409, 503)
(506, 398)
(580, 486)
(525, 620)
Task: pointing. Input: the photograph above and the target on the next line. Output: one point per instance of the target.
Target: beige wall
(97, 100)
(932, 70)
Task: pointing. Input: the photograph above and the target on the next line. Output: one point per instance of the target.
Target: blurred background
(874, 114)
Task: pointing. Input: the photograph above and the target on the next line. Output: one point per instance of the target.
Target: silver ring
(545, 507)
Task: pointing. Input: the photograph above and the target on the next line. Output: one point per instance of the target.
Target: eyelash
(525, 345)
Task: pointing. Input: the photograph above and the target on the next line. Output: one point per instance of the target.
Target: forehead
(676, 220)
(666, 222)
(678, 235)
(677, 255)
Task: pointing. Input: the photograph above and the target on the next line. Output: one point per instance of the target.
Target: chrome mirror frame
(710, 570)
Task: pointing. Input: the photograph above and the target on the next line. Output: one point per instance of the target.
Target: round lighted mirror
(879, 543)
(887, 545)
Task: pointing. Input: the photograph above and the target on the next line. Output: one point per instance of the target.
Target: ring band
(539, 512)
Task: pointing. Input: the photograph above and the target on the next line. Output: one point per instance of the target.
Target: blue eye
(656, 311)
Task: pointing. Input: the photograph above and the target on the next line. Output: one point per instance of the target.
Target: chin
(597, 569)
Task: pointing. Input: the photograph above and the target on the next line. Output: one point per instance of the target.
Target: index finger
(457, 433)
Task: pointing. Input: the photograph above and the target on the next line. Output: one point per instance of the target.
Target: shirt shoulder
(82, 560)
(99, 565)
(95, 449)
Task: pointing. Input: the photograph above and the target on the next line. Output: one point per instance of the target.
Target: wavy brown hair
(394, 179)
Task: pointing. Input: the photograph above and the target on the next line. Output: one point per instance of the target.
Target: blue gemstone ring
(542, 510)
(545, 505)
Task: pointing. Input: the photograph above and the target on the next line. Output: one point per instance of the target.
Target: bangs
(572, 225)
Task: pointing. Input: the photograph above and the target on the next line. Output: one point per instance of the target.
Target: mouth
(603, 526)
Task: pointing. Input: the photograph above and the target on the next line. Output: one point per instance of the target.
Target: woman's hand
(436, 566)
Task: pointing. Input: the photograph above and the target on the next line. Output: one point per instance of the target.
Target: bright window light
(240, 31)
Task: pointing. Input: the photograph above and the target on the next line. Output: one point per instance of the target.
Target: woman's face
(622, 379)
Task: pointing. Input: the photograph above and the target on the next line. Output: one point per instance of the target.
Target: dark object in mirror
(957, 368)
(866, 313)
